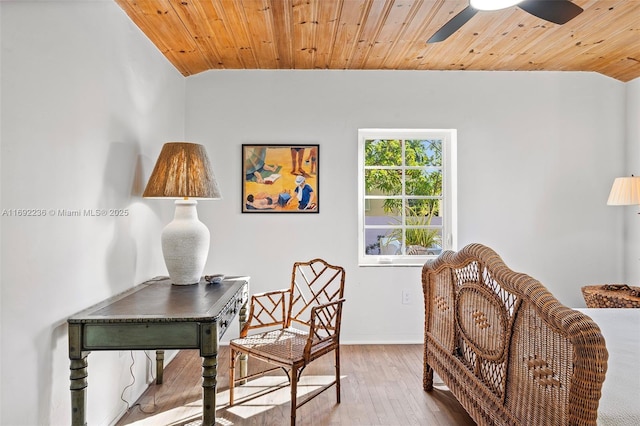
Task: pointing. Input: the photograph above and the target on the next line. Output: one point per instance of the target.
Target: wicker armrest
(266, 310)
(324, 326)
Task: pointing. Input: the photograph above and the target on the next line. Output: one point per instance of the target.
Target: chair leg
(232, 375)
(337, 351)
(427, 378)
(294, 394)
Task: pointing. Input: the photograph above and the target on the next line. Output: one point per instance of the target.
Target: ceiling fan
(556, 11)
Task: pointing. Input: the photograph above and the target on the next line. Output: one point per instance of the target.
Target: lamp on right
(625, 191)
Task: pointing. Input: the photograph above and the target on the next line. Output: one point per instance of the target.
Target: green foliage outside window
(423, 162)
(417, 232)
(421, 198)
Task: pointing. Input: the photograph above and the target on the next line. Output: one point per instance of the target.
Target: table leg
(209, 354)
(209, 385)
(159, 367)
(79, 391)
(242, 317)
(78, 376)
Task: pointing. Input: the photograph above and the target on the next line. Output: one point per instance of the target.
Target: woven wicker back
(484, 314)
(313, 283)
(531, 360)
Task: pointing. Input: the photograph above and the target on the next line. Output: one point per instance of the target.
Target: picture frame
(280, 178)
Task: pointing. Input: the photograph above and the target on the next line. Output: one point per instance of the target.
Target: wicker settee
(508, 350)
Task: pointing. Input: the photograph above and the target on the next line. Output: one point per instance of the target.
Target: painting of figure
(280, 178)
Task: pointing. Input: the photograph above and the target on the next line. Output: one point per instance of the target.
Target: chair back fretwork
(267, 310)
(313, 283)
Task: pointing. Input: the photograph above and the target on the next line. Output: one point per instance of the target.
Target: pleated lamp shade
(625, 191)
(182, 171)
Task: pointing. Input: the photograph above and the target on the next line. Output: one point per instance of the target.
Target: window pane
(424, 182)
(382, 212)
(383, 152)
(431, 241)
(438, 214)
(421, 229)
(383, 182)
(418, 213)
(422, 211)
(378, 242)
(423, 153)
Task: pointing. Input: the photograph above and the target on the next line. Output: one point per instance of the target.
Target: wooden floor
(381, 385)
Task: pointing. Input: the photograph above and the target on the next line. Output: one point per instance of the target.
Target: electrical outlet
(406, 297)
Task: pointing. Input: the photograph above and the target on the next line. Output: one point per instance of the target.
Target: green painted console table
(158, 315)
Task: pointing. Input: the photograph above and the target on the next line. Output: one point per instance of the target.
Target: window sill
(378, 261)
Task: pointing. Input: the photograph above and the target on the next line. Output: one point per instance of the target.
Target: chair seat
(284, 346)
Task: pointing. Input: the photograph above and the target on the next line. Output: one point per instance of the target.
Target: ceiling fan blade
(453, 25)
(556, 11)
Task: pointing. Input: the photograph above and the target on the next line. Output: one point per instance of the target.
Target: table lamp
(625, 191)
(183, 172)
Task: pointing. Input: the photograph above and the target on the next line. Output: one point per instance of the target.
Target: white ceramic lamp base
(185, 244)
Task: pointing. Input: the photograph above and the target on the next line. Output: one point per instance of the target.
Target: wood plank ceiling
(199, 35)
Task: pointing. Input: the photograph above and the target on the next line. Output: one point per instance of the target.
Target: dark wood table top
(158, 299)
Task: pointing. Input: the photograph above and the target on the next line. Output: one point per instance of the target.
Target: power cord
(133, 381)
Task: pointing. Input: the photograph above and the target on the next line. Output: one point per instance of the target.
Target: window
(407, 195)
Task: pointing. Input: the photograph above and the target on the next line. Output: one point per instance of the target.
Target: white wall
(632, 166)
(87, 102)
(536, 156)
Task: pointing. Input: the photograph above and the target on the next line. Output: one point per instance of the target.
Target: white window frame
(449, 192)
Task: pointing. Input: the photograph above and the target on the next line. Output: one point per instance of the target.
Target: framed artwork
(280, 178)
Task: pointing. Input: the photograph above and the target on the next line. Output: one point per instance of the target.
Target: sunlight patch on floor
(260, 404)
(191, 414)
(175, 416)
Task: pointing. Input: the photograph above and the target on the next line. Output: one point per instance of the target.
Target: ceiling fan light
(493, 4)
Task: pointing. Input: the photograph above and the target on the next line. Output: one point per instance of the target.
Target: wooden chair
(299, 325)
